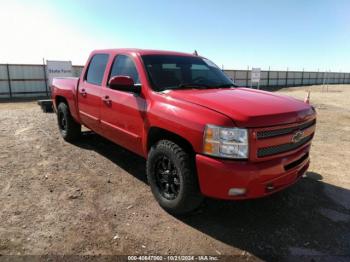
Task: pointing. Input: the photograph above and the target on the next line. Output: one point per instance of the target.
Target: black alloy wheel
(167, 178)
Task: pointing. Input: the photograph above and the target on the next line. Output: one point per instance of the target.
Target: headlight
(225, 142)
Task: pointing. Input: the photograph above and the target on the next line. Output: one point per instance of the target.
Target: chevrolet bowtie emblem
(297, 136)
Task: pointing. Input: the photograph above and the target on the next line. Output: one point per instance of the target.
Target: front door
(89, 93)
(122, 112)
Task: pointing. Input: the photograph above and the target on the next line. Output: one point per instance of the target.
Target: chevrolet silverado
(200, 133)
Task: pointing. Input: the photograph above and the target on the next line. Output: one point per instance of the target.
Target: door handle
(106, 100)
(83, 92)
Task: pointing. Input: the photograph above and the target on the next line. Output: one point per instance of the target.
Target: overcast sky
(310, 34)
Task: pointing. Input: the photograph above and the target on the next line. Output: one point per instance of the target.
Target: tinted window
(96, 69)
(176, 72)
(123, 65)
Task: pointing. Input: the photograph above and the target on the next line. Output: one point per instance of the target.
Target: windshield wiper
(199, 86)
(225, 85)
(190, 86)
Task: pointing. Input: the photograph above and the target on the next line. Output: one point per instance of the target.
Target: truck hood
(248, 107)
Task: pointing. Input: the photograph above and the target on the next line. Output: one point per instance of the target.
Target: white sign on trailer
(255, 75)
(58, 69)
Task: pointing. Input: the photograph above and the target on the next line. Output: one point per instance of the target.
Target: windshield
(180, 72)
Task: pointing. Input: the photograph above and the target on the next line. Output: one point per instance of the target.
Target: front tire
(172, 177)
(69, 128)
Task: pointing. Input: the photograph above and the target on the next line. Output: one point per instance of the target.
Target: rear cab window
(96, 69)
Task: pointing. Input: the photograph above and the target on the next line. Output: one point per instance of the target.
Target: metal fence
(30, 81)
(25, 81)
(276, 79)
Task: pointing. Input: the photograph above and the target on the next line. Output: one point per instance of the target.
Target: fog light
(236, 191)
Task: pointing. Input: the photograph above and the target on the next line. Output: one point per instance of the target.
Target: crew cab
(200, 133)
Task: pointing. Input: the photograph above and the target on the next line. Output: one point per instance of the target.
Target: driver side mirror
(124, 83)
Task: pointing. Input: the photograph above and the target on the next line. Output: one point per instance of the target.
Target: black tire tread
(73, 131)
(191, 198)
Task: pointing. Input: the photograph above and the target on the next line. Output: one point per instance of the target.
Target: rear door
(123, 112)
(89, 93)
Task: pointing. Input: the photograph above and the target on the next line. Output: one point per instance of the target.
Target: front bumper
(259, 179)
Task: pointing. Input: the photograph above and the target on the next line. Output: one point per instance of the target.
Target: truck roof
(140, 51)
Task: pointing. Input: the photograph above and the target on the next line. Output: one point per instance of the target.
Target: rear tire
(69, 128)
(173, 179)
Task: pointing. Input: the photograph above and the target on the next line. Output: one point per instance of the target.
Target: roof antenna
(195, 53)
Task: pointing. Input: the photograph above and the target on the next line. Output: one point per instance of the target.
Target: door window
(96, 69)
(125, 66)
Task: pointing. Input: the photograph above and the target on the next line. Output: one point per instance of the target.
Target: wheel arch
(60, 99)
(71, 106)
(156, 134)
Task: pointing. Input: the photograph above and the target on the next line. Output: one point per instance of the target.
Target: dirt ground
(92, 198)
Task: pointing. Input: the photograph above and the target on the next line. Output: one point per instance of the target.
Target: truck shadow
(128, 161)
(310, 219)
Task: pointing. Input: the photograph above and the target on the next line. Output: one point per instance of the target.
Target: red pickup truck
(201, 134)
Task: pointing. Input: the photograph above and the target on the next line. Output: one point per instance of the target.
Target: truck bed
(66, 83)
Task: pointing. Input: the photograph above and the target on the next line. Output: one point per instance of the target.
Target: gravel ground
(92, 198)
